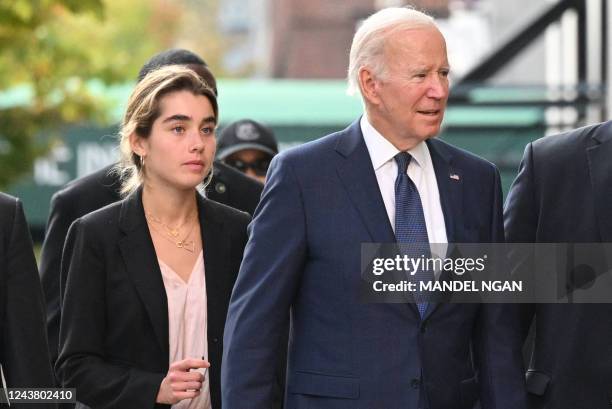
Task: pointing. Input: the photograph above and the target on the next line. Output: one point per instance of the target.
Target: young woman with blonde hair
(147, 280)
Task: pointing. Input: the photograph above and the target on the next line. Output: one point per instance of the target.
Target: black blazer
(562, 194)
(23, 354)
(94, 191)
(114, 328)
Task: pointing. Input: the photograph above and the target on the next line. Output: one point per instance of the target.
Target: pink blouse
(187, 323)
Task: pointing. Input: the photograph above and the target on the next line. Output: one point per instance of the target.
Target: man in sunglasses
(247, 146)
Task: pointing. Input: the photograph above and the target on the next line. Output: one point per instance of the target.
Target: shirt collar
(382, 151)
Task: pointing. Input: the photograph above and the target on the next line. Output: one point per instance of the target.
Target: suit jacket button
(415, 383)
(215, 340)
(423, 328)
(220, 188)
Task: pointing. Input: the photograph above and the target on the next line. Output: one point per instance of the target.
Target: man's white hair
(369, 40)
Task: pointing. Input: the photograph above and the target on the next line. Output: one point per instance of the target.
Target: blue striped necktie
(410, 227)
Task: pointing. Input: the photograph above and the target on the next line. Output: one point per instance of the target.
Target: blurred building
(246, 25)
(297, 39)
(312, 39)
(504, 19)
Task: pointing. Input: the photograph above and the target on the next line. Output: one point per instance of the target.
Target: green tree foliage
(199, 32)
(55, 52)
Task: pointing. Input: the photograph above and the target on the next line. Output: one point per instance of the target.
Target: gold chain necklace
(171, 231)
(172, 234)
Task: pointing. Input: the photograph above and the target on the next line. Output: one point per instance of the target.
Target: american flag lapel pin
(454, 176)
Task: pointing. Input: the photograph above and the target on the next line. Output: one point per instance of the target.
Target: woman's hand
(180, 383)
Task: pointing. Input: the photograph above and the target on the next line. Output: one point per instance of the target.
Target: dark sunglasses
(260, 167)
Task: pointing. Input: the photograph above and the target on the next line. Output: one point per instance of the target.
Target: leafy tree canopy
(53, 52)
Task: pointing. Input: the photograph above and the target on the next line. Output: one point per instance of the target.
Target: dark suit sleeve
(234, 188)
(498, 341)
(497, 225)
(521, 221)
(60, 217)
(264, 291)
(248, 199)
(499, 359)
(520, 214)
(82, 360)
(25, 356)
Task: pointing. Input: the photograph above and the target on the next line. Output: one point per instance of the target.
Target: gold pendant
(186, 245)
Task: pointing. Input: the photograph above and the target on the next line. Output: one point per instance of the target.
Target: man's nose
(438, 87)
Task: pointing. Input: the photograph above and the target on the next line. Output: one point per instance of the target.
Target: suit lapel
(142, 267)
(357, 175)
(216, 249)
(358, 178)
(450, 188)
(600, 171)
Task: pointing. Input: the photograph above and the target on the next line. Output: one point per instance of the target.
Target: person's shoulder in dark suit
(76, 199)
(233, 188)
(24, 354)
(554, 181)
(91, 192)
(561, 149)
(227, 213)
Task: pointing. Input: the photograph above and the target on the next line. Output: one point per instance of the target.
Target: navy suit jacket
(562, 194)
(321, 201)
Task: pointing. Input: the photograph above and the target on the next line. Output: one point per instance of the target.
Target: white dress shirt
(420, 171)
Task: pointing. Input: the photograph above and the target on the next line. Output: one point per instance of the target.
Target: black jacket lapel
(600, 170)
(216, 249)
(142, 266)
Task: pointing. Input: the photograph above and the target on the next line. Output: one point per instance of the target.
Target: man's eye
(207, 130)
(178, 129)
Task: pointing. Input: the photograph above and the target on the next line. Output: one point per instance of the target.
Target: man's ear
(138, 144)
(368, 83)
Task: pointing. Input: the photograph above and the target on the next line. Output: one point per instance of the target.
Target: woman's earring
(142, 161)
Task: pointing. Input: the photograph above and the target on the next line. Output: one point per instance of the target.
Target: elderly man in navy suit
(383, 179)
